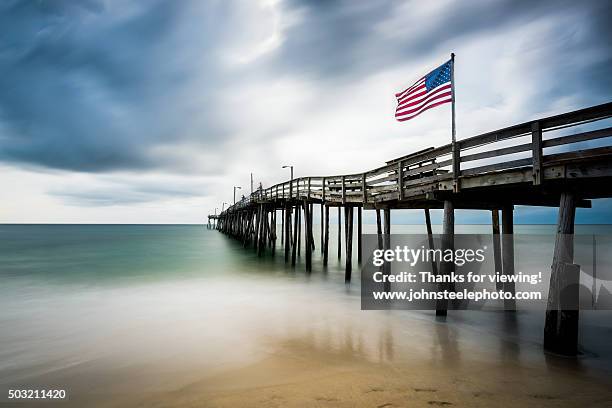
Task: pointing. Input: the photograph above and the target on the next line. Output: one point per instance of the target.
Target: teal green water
(82, 304)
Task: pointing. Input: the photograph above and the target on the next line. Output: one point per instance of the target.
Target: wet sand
(302, 374)
(379, 360)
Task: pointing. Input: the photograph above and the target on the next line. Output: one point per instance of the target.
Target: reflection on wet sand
(445, 349)
(509, 347)
(340, 366)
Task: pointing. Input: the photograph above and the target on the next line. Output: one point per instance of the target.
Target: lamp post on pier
(291, 182)
(236, 187)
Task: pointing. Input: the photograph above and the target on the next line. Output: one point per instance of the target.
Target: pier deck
(563, 160)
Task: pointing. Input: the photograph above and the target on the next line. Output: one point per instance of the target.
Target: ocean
(107, 309)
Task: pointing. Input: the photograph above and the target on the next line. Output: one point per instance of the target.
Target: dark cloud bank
(96, 86)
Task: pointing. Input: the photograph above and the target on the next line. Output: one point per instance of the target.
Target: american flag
(434, 89)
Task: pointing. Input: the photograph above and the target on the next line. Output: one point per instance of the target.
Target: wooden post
(448, 237)
(508, 253)
(282, 225)
(343, 190)
(434, 264)
(287, 232)
(311, 212)
(561, 327)
(308, 235)
(326, 243)
(321, 227)
(323, 183)
(536, 153)
(295, 235)
(261, 230)
(400, 180)
(379, 229)
(387, 245)
(257, 229)
(339, 233)
(359, 232)
(348, 227)
(364, 188)
(497, 247)
(456, 153)
(299, 229)
(274, 231)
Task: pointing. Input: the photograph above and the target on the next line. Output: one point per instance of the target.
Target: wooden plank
(424, 169)
(594, 153)
(578, 137)
(411, 155)
(497, 152)
(497, 166)
(522, 175)
(593, 112)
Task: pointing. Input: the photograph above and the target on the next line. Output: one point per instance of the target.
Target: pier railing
(446, 167)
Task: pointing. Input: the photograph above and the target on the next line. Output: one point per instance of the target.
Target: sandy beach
(303, 374)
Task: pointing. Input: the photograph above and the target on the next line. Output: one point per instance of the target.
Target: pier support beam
(387, 245)
(308, 235)
(321, 224)
(326, 237)
(379, 229)
(348, 228)
(287, 232)
(296, 221)
(496, 247)
(434, 264)
(448, 237)
(508, 253)
(282, 225)
(273, 231)
(339, 233)
(561, 327)
(298, 213)
(359, 232)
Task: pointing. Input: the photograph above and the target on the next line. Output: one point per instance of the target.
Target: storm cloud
(200, 88)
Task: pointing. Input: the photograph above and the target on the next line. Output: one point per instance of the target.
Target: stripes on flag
(434, 89)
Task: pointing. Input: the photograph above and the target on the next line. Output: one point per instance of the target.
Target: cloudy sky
(149, 111)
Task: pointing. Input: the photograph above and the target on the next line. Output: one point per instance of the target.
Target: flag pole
(456, 160)
(454, 130)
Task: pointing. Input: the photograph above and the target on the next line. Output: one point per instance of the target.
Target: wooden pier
(480, 172)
